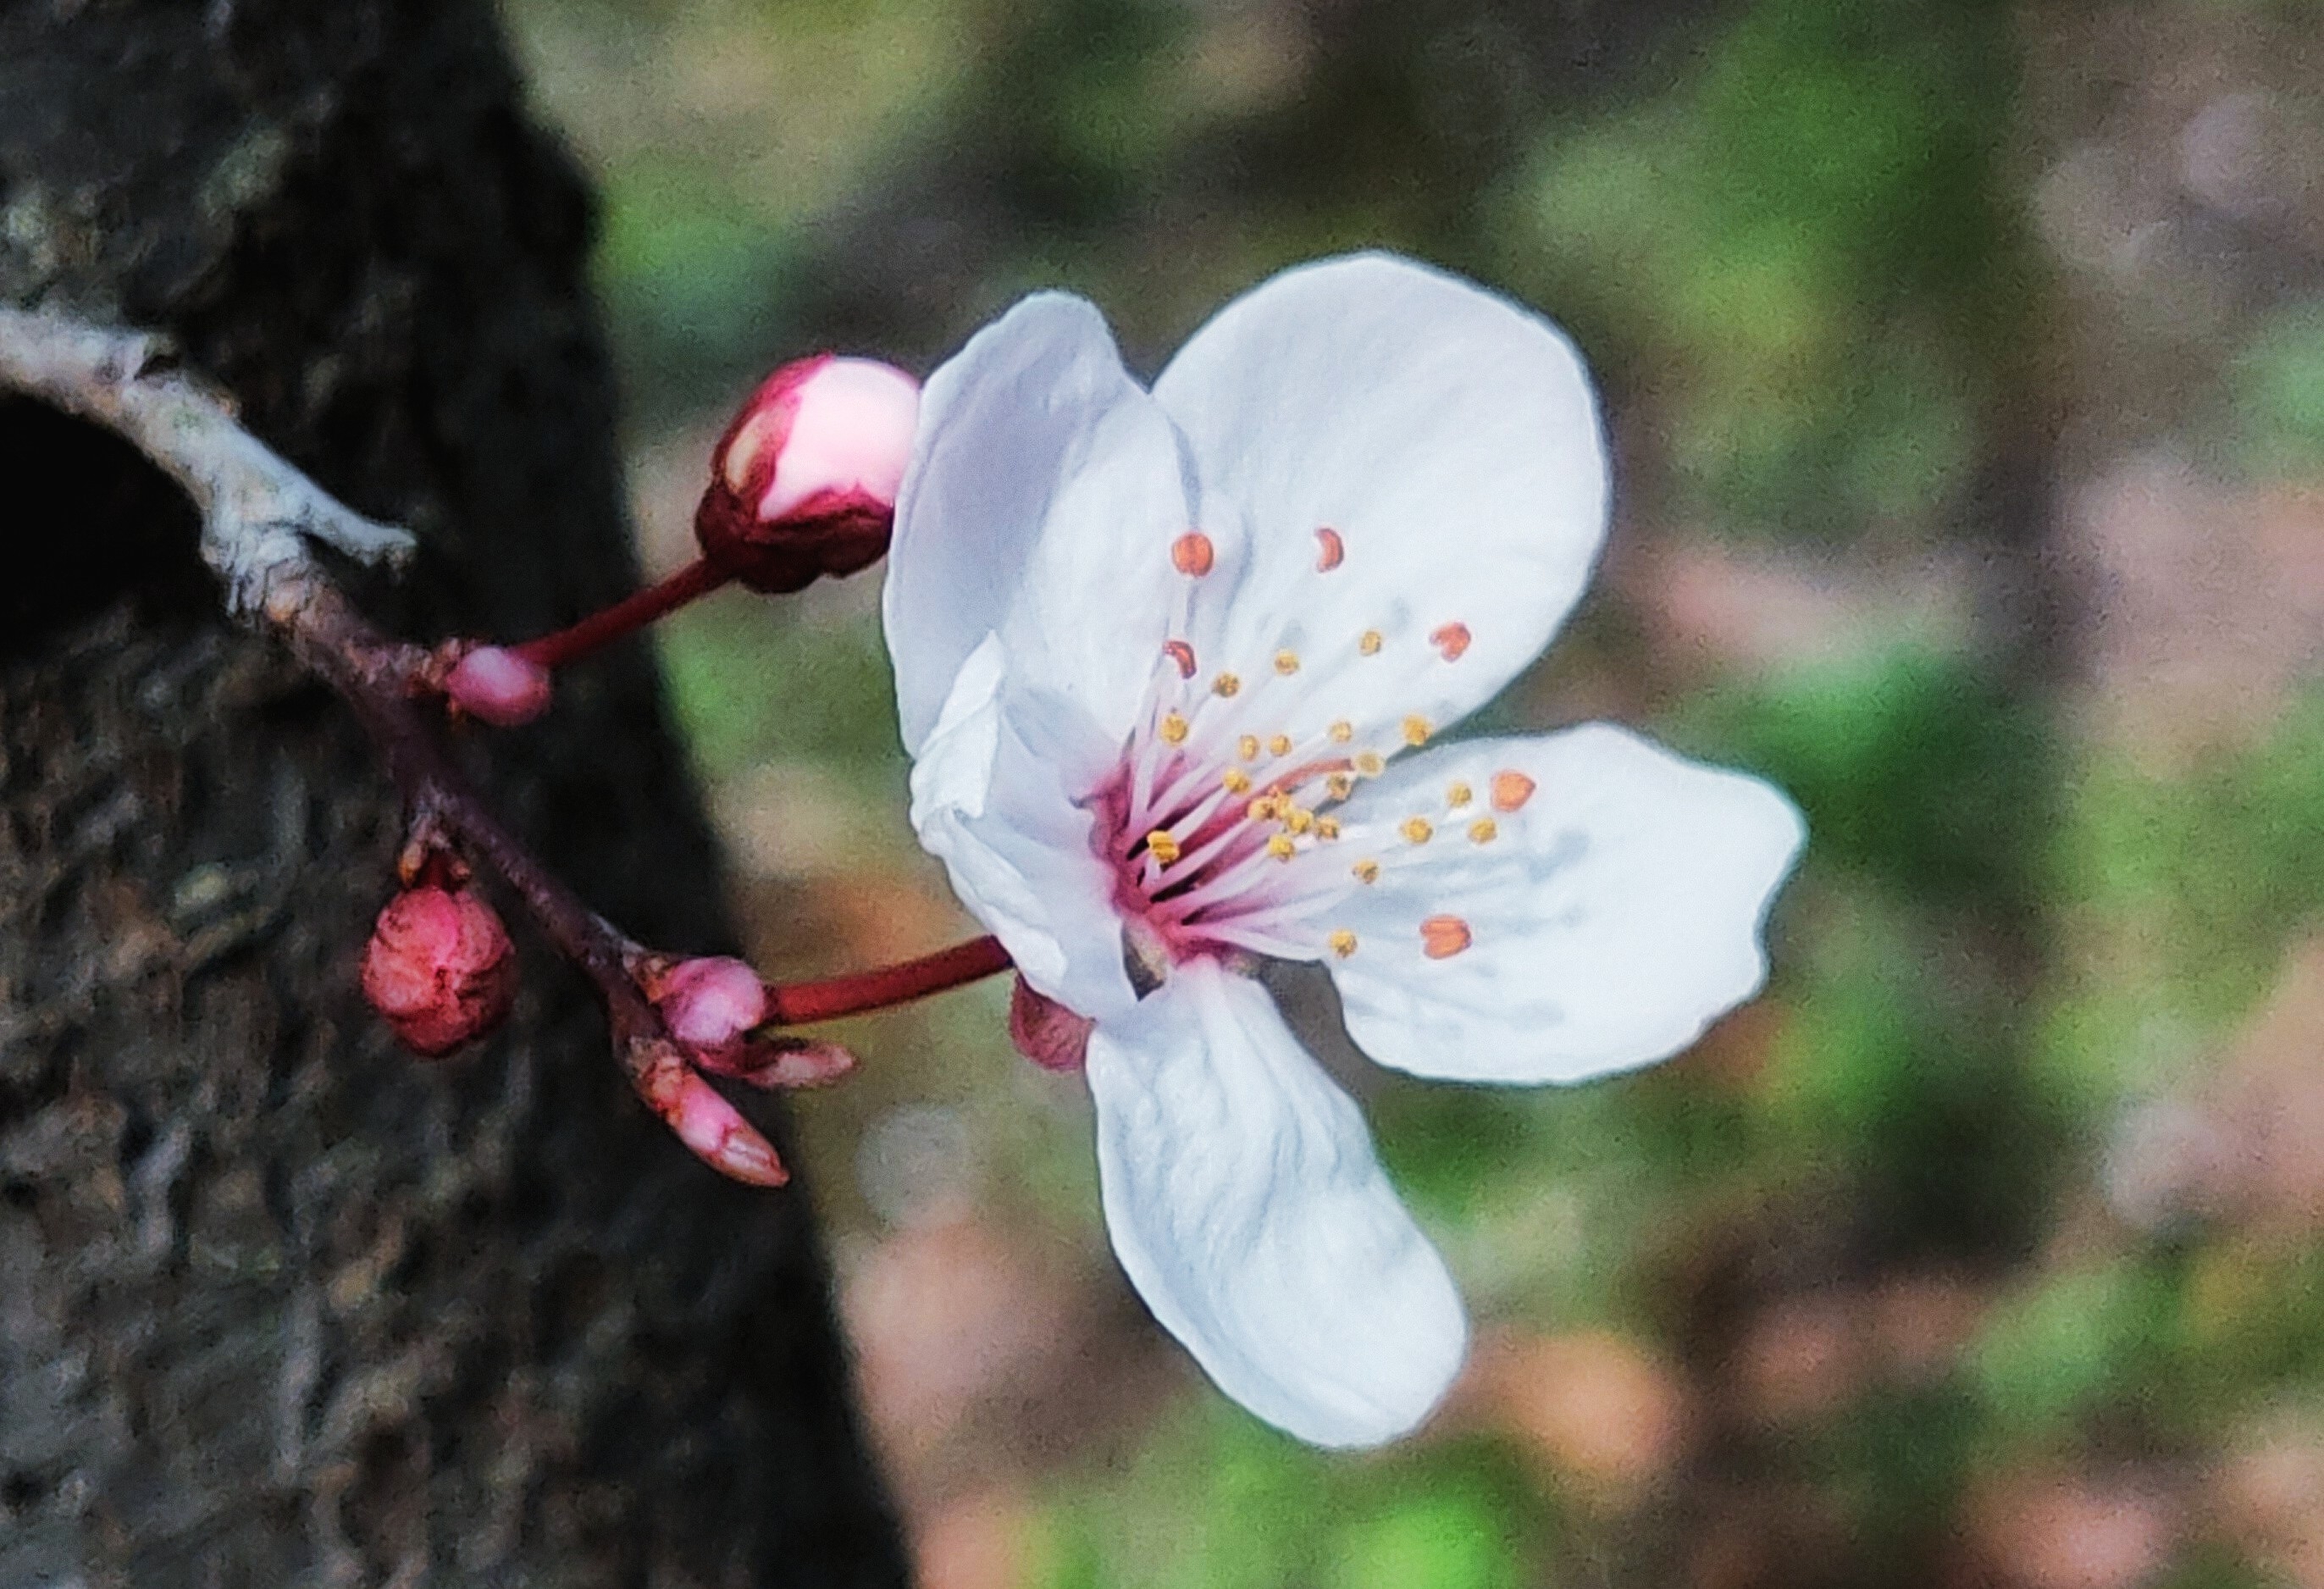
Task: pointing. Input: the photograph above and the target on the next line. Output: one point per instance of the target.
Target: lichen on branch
(259, 512)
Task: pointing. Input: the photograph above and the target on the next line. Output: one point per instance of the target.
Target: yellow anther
(1417, 830)
(1162, 846)
(1459, 795)
(1287, 663)
(1261, 809)
(1247, 747)
(1281, 848)
(1342, 942)
(1369, 763)
(1370, 642)
(1237, 781)
(1280, 746)
(1484, 831)
(1298, 819)
(1174, 728)
(1342, 732)
(1416, 731)
(1366, 871)
(1327, 828)
(1340, 785)
(1225, 683)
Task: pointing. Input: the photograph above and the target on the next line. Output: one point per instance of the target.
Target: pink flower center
(1200, 846)
(1219, 822)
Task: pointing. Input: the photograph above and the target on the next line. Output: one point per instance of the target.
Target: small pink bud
(804, 482)
(501, 687)
(718, 1135)
(440, 968)
(1046, 1032)
(782, 1062)
(709, 1003)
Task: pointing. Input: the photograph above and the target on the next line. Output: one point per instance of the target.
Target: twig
(257, 513)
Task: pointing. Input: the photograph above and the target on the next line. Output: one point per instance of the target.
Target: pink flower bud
(718, 1135)
(709, 1003)
(1046, 1032)
(498, 686)
(804, 482)
(440, 968)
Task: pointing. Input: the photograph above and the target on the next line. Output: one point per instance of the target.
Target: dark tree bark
(278, 1304)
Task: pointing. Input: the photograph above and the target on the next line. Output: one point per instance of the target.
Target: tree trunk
(278, 1304)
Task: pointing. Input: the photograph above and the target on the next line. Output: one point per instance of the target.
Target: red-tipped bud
(718, 1135)
(804, 482)
(1046, 1032)
(709, 1003)
(440, 968)
(501, 687)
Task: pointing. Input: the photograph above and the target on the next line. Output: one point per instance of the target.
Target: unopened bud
(498, 686)
(804, 482)
(1046, 1032)
(710, 1003)
(718, 1135)
(439, 968)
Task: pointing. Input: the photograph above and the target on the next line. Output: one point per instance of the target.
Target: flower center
(1215, 820)
(1199, 828)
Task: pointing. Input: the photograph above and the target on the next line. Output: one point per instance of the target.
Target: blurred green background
(1966, 364)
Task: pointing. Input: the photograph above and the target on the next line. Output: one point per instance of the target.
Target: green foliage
(2053, 1355)
(2219, 867)
(1218, 1503)
(2276, 394)
(1798, 241)
(1918, 1091)
(688, 274)
(724, 661)
(2210, 1566)
(1916, 770)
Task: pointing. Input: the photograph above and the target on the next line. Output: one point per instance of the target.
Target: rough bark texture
(278, 1304)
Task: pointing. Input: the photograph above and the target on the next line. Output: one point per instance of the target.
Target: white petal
(1041, 474)
(990, 801)
(1451, 440)
(1245, 1206)
(1612, 916)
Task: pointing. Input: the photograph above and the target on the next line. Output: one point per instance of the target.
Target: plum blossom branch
(259, 514)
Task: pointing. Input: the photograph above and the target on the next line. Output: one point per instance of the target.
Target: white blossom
(1166, 662)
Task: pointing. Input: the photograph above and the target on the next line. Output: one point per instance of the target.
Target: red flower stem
(799, 1003)
(626, 616)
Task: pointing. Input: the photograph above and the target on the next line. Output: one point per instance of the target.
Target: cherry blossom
(1172, 666)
